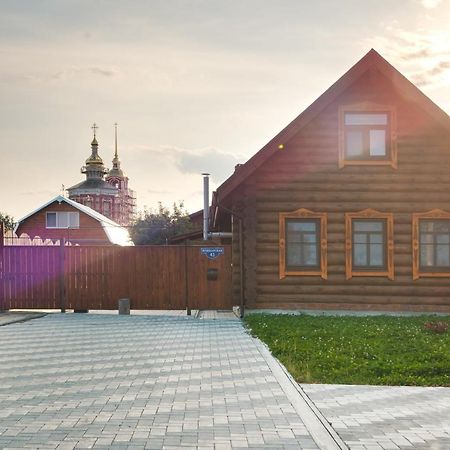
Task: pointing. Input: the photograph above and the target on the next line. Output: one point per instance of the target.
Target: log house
(348, 207)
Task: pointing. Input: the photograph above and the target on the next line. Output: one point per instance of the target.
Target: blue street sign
(212, 252)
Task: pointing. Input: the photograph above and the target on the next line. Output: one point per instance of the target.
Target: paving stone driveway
(386, 417)
(108, 381)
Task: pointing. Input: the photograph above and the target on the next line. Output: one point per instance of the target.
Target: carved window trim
(369, 214)
(368, 107)
(416, 217)
(303, 213)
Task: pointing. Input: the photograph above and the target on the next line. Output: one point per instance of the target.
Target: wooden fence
(95, 277)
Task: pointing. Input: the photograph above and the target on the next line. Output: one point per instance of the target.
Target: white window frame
(72, 219)
(367, 108)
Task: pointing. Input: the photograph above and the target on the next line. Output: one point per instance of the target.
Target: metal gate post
(62, 286)
(2, 243)
(186, 292)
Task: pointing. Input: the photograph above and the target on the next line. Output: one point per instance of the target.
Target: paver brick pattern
(134, 382)
(386, 417)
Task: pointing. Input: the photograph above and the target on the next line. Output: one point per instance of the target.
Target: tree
(7, 220)
(158, 226)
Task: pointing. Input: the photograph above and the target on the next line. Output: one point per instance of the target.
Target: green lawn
(358, 350)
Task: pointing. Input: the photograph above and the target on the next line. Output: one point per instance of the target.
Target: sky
(195, 85)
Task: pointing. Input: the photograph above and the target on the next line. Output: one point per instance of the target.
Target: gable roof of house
(371, 59)
(115, 233)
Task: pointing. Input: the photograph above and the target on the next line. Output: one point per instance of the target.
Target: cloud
(215, 162)
(430, 4)
(74, 72)
(416, 54)
(42, 192)
(429, 76)
(159, 192)
(423, 55)
(105, 72)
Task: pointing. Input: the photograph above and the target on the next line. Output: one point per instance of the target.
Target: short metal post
(186, 287)
(124, 306)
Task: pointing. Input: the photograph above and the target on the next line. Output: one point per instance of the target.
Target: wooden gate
(153, 277)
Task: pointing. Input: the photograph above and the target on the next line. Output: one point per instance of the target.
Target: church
(105, 191)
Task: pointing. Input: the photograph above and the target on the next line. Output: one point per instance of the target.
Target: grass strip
(377, 350)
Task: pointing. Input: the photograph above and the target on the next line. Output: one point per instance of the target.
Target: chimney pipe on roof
(205, 206)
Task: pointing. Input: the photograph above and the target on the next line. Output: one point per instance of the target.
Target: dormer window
(366, 136)
(62, 219)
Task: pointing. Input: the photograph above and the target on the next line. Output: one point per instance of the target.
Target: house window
(63, 219)
(431, 244)
(367, 136)
(369, 244)
(303, 243)
(107, 209)
(434, 244)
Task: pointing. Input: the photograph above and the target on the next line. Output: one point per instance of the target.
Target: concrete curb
(22, 318)
(321, 431)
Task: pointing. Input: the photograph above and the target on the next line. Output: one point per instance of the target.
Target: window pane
(359, 238)
(302, 248)
(442, 238)
(51, 220)
(435, 225)
(74, 219)
(309, 237)
(442, 226)
(360, 255)
(63, 220)
(366, 119)
(293, 255)
(310, 255)
(426, 255)
(368, 225)
(376, 238)
(301, 255)
(426, 238)
(426, 225)
(442, 255)
(295, 225)
(376, 255)
(354, 144)
(377, 140)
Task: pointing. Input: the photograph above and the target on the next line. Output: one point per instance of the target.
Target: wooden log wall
(305, 174)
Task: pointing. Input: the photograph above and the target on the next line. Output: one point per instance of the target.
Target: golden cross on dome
(94, 127)
(115, 140)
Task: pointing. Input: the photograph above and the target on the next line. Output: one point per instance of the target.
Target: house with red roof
(61, 218)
